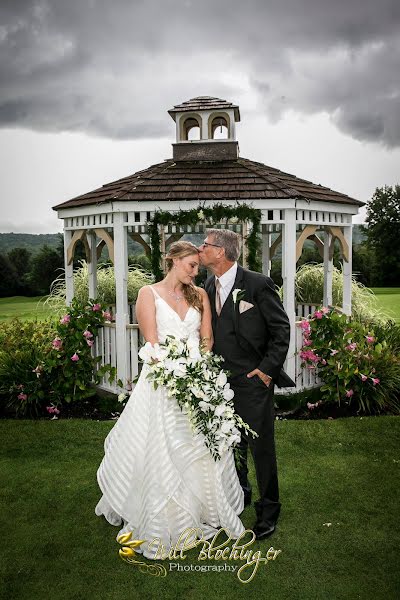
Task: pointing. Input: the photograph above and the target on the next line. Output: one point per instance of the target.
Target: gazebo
(206, 169)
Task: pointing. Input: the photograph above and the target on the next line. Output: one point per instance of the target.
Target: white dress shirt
(227, 280)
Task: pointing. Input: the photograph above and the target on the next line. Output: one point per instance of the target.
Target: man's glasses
(208, 244)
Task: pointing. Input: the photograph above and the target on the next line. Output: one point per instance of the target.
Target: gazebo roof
(204, 103)
(239, 179)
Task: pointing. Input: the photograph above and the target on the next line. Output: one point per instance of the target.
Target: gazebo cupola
(205, 129)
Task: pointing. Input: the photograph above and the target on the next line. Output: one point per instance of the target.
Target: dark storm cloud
(113, 68)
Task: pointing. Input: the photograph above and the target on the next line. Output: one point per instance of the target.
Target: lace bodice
(170, 323)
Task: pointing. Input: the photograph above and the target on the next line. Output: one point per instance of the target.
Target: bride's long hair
(180, 250)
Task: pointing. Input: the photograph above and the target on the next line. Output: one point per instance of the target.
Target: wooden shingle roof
(239, 179)
(204, 103)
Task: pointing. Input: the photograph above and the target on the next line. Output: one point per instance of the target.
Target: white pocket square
(243, 306)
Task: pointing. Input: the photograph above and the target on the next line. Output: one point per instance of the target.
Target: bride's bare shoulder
(145, 293)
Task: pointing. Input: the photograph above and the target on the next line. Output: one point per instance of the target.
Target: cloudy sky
(85, 86)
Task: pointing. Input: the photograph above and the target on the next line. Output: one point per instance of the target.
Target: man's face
(209, 252)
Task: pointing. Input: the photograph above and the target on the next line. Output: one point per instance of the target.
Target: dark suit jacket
(262, 331)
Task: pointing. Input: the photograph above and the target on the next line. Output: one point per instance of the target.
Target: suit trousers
(253, 392)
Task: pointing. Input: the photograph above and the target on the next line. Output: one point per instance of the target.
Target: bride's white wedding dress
(157, 477)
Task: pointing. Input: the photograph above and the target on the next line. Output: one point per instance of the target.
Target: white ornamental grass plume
(309, 289)
(137, 278)
(200, 387)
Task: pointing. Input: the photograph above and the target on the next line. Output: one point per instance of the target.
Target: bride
(157, 476)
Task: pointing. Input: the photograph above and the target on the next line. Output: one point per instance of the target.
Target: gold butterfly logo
(128, 554)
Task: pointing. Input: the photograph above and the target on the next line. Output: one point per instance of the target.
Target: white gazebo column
(92, 266)
(347, 271)
(328, 269)
(121, 287)
(288, 276)
(266, 258)
(69, 269)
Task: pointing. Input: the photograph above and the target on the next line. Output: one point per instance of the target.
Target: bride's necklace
(177, 297)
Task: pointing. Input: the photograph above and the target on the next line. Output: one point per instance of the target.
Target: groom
(251, 331)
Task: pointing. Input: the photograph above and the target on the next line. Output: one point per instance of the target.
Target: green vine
(210, 215)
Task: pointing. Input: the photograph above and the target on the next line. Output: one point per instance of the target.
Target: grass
(23, 308)
(343, 472)
(389, 301)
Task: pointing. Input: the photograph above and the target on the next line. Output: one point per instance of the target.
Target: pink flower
(370, 339)
(90, 342)
(309, 355)
(88, 334)
(57, 343)
(22, 396)
(52, 410)
(75, 357)
(352, 346)
(349, 393)
(363, 377)
(375, 380)
(311, 406)
(96, 307)
(324, 310)
(65, 319)
(107, 315)
(318, 314)
(323, 362)
(305, 325)
(333, 352)
(307, 342)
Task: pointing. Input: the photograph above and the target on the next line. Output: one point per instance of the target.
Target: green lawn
(343, 472)
(389, 300)
(23, 308)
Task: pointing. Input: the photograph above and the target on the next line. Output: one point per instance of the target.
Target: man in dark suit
(251, 331)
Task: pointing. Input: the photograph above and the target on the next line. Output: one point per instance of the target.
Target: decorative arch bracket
(79, 235)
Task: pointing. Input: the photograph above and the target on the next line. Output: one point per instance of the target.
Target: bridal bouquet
(200, 387)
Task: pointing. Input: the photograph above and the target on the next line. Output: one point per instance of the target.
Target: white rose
(227, 426)
(148, 352)
(221, 379)
(227, 393)
(196, 392)
(205, 406)
(234, 439)
(220, 409)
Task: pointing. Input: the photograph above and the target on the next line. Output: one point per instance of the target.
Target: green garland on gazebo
(210, 215)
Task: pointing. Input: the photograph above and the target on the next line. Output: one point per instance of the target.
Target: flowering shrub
(69, 364)
(353, 363)
(23, 346)
(46, 364)
(199, 386)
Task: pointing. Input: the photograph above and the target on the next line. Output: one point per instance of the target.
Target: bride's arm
(206, 333)
(146, 314)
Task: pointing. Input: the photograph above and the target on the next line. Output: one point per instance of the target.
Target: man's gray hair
(227, 239)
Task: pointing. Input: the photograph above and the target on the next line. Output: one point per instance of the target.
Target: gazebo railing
(105, 347)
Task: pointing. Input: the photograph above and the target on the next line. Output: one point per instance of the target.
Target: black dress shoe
(264, 529)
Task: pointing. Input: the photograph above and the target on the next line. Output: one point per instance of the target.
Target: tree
(46, 267)
(9, 277)
(383, 218)
(20, 258)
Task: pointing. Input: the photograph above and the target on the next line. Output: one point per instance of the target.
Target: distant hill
(31, 241)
